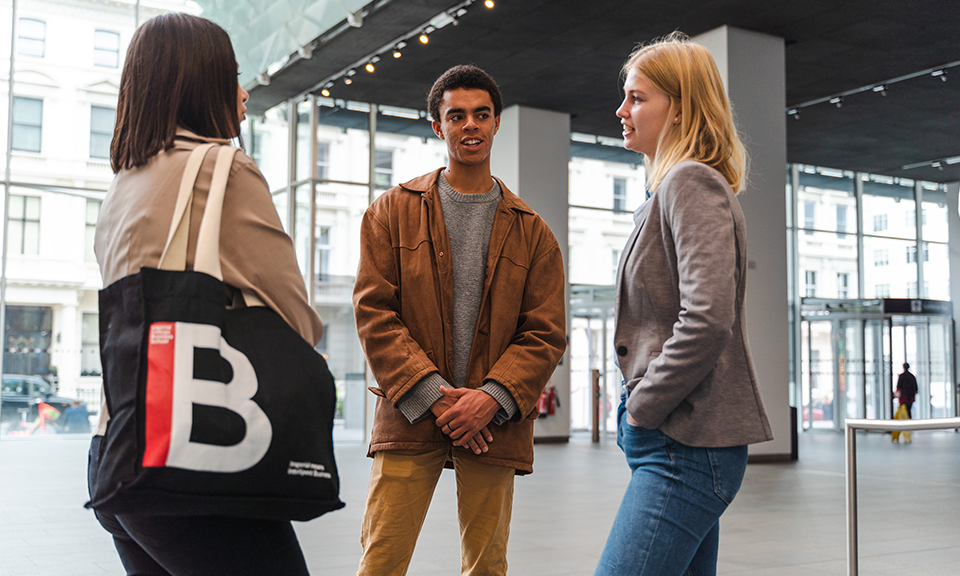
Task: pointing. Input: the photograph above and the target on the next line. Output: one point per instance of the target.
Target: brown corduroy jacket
(403, 302)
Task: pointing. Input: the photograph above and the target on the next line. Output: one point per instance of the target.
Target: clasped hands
(463, 415)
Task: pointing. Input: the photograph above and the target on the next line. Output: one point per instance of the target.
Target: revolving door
(853, 350)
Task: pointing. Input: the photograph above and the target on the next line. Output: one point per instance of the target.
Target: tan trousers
(401, 487)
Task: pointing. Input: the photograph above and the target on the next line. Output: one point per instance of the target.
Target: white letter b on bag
(173, 390)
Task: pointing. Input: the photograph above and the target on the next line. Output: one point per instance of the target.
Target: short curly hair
(463, 76)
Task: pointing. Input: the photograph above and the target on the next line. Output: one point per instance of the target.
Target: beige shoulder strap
(207, 259)
(174, 256)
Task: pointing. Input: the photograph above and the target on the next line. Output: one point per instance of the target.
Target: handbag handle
(207, 258)
(174, 256)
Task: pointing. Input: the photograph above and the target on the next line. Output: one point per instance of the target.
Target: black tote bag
(213, 411)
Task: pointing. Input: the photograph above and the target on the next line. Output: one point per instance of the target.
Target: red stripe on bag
(159, 397)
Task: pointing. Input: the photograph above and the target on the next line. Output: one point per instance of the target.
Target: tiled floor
(788, 520)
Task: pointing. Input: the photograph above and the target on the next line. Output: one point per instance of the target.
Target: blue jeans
(669, 520)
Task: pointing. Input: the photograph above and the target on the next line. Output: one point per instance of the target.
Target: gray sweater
(469, 221)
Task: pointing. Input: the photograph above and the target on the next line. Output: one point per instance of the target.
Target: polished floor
(788, 520)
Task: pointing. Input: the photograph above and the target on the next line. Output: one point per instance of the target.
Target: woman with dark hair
(689, 402)
(178, 91)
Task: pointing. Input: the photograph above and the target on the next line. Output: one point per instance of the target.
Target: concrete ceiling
(565, 55)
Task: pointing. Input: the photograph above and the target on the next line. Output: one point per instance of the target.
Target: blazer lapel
(640, 217)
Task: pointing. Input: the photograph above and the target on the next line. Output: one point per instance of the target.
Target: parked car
(20, 400)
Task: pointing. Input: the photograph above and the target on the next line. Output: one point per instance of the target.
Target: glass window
(936, 271)
(843, 285)
(28, 340)
(841, 220)
(881, 257)
(383, 169)
(881, 291)
(880, 269)
(90, 345)
(102, 121)
(106, 49)
(323, 160)
(811, 284)
(619, 194)
(31, 37)
(879, 222)
(322, 264)
(93, 212)
(616, 263)
(934, 219)
(27, 123)
(885, 203)
(23, 231)
(809, 209)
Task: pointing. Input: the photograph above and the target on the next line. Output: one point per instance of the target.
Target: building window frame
(27, 124)
(90, 228)
(323, 160)
(106, 48)
(102, 121)
(23, 225)
(810, 283)
(383, 169)
(31, 39)
(619, 194)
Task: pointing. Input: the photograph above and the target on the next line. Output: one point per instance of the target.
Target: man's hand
(466, 421)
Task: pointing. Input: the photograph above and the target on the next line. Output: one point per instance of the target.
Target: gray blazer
(681, 335)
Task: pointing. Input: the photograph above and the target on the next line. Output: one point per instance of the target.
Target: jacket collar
(426, 185)
(183, 133)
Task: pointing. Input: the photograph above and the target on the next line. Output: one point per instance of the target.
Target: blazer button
(621, 350)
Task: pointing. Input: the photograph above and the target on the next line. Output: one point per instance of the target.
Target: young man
(460, 310)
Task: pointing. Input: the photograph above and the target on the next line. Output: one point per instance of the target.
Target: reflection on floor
(789, 519)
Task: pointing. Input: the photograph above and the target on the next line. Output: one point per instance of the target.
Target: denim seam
(717, 487)
(663, 507)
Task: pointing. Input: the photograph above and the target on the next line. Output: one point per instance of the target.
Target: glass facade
(852, 235)
(860, 236)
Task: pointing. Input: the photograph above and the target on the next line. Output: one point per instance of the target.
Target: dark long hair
(180, 71)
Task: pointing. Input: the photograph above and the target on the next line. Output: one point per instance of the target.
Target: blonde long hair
(687, 74)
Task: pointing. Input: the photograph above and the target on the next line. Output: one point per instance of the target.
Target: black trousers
(199, 545)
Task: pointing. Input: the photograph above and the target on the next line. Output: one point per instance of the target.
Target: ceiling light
(325, 93)
(838, 101)
(369, 67)
(397, 54)
(351, 72)
(795, 112)
(348, 81)
(488, 3)
(424, 38)
(941, 73)
(881, 88)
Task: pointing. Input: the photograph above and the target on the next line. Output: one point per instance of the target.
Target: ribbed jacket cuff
(508, 406)
(416, 403)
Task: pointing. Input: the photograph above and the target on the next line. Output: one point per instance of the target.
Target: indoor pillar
(531, 154)
(953, 249)
(752, 66)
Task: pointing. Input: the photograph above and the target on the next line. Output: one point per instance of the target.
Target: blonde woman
(689, 402)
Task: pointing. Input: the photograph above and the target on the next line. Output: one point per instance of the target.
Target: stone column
(752, 66)
(531, 154)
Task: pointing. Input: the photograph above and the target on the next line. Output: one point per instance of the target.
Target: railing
(853, 568)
